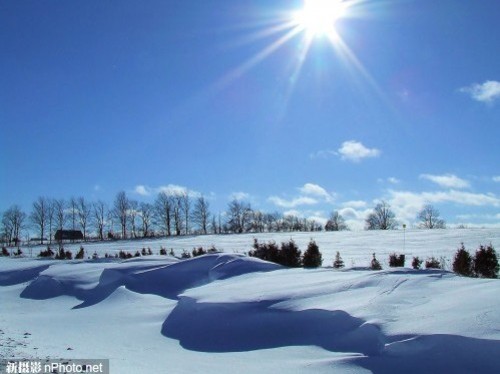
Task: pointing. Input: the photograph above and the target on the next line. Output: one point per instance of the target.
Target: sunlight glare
(318, 17)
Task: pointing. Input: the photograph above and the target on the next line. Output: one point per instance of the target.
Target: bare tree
(336, 223)
(133, 212)
(120, 211)
(38, 216)
(60, 214)
(163, 210)
(177, 212)
(186, 210)
(51, 215)
(84, 210)
(429, 218)
(239, 214)
(382, 218)
(73, 212)
(146, 214)
(100, 212)
(201, 214)
(13, 220)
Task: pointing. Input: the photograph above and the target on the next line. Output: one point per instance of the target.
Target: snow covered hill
(226, 312)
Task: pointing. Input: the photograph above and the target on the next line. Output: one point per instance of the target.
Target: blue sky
(231, 99)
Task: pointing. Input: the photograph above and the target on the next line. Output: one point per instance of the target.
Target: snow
(227, 312)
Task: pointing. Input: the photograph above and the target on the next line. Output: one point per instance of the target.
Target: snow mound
(93, 283)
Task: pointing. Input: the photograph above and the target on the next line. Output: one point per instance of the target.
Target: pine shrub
(81, 254)
(433, 263)
(47, 253)
(199, 252)
(396, 260)
(312, 256)
(485, 262)
(163, 251)
(462, 263)
(338, 263)
(266, 251)
(5, 252)
(416, 263)
(375, 264)
(290, 255)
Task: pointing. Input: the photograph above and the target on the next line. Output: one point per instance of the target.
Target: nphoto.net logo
(54, 366)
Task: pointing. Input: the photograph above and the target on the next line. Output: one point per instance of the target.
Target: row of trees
(174, 214)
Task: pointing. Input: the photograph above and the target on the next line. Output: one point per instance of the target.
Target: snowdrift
(251, 313)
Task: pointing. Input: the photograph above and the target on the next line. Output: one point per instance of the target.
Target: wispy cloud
(293, 203)
(142, 190)
(496, 179)
(170, 189)
(239, 196)
(355, 151)
(312, 189)
(446, 180)
(325, 153)
(310, 194)
(486, 92)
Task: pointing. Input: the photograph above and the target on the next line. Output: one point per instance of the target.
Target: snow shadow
(436, 354)
(17, 276)
(240, 327)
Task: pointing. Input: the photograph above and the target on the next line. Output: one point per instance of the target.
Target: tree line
(174, 214)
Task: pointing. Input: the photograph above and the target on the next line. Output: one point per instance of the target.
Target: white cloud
(486, 92)
(239, 196)
(496, 179)
(446, 180)
(352, 150)
(354, 204)
(170, 189)
(316, 190)
(393, 180)
(406, 204)
(142, 190)
(282, 203)
(310, 194)
(326, 153)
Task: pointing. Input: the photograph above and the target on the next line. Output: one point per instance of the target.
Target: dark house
(68, 235)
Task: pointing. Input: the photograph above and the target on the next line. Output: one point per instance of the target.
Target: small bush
(396, 260)
(462, 263)
(485, 262)
(265, 251)
(95, 256)
(290, 255)
(433, 263)
(81, 254)
(185, 255)
(375, 264)
(312, 256)
(137, 254)
(338, 263)
(5, 252)
(199, 252)
(416, 263)
(213, 250)
(144, 252)
(124, 255)
(18, 252)
(172, 252)
(47, 253)
(150, 252)
(163, 251)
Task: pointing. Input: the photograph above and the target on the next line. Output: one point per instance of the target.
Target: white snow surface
(226, 313)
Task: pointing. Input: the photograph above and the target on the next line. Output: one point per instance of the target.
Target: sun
(318, 17)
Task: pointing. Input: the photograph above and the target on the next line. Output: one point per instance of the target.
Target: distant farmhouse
(68, 235)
